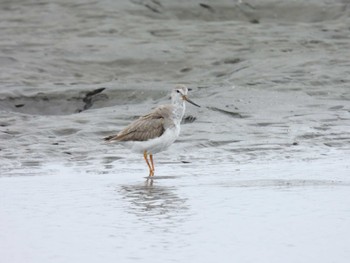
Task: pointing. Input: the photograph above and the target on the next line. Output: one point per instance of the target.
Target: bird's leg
(149, 166)
(151, 158)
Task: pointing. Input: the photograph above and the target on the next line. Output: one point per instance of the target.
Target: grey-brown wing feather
(146, 127)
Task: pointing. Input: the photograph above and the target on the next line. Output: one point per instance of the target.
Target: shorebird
(156, 131)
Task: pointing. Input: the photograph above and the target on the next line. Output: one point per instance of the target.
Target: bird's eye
(177, 91)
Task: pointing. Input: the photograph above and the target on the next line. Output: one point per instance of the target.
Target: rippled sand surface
(260, 172)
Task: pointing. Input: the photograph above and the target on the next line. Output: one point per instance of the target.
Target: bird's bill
(190, 101)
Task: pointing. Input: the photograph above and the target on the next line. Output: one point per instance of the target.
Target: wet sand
(259, 173)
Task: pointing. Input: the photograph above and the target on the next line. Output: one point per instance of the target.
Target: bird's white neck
(179, 109)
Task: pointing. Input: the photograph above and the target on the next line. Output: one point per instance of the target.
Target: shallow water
(268, 212)
(259, 173)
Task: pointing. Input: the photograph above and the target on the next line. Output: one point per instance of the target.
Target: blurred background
(271, 75)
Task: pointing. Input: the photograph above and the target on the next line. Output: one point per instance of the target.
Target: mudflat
(260, 171)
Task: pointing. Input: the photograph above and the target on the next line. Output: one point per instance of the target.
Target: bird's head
(180, 94)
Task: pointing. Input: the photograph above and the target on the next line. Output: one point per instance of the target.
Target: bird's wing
(146, 127)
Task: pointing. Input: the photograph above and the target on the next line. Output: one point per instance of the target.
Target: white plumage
(156, 131)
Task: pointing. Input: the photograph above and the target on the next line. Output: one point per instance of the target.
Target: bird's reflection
(151, 200)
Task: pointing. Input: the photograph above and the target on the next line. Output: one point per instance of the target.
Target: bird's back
(148, 126)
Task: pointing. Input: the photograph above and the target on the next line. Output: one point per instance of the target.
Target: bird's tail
(110, 138)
